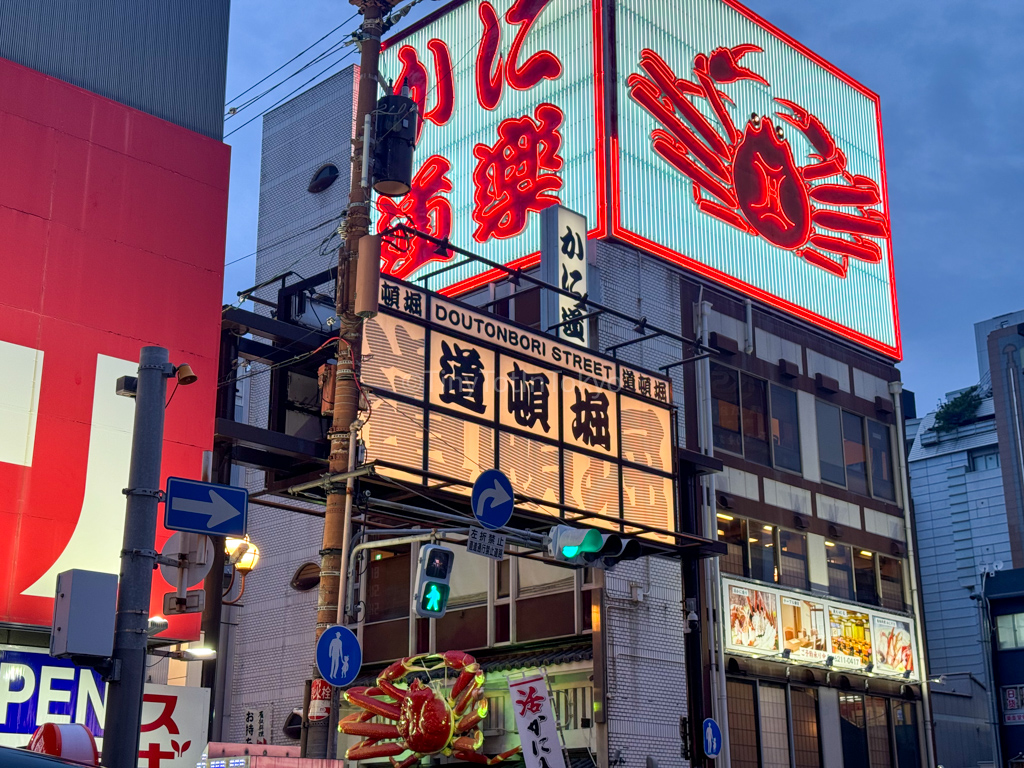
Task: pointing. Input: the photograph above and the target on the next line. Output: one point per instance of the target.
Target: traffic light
(587, 546)
(435, 568)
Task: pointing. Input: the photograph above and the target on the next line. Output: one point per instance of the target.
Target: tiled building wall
(646, 675)
(961, 525)
(275, 624)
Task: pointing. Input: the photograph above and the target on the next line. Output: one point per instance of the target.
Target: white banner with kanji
(535, 721)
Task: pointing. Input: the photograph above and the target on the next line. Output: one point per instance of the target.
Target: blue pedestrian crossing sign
(338, 656)
(211, 508)
(492, 499)
(712, 738)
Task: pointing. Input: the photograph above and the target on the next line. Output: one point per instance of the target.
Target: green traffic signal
(435, 597)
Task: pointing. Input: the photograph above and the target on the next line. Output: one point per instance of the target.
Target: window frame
(755, 686)
(869, 463)
(828, 567)
(769, 386)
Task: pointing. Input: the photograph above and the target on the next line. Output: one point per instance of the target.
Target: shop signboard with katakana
(456, 391)
(535, 721)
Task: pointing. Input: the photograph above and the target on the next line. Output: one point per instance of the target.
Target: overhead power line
(293, 58)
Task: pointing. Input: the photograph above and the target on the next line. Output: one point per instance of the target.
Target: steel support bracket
(156, 493)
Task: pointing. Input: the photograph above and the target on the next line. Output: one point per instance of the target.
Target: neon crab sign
(750, 178)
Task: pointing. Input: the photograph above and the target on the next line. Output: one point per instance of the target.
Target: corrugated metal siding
(168, 59)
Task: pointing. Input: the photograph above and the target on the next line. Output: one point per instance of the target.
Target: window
(546, 604)
(864, 577)
(830, 443)
(785, 429)
(755, 420)
(323, 178)
(882, 484)
(984, 458)
(854, 456)
(904, 724)
(1010, 631)
(725, 408)
(762, 552)
(772, 725)
(306, 577)
(804, 704)
(890, 571)
(740, 418)
(793, 560)
(731, 531)
(743, 747)
(840, 570)
(878, 732)
(852, 730)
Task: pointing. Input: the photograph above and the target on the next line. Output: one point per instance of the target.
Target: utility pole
(346, 391)
(124, 696)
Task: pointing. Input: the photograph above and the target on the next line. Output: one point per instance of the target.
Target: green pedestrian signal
(435, 573)
(435, 597)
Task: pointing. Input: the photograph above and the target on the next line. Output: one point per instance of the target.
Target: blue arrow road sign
(191, 505)
(712, 738)
(338, 655)
(492, 499)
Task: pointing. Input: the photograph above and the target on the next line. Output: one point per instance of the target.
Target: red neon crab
(427, 721)
(751, 175)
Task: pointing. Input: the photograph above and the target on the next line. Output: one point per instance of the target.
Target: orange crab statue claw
(426, 721)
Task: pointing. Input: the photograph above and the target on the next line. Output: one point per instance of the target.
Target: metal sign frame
(612, 374)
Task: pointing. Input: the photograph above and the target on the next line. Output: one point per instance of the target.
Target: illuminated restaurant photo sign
(455, 391)
(769, 622)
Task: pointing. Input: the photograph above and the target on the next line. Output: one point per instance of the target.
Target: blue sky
(948, 73)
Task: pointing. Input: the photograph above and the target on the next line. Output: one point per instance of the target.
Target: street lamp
(243, 556)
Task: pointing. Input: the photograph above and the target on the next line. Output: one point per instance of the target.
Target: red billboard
(113, 227)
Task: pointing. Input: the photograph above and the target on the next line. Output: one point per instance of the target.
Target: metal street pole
(346, 392)
(124, 696)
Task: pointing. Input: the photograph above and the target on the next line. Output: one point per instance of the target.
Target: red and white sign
(319, 700)
(113, 228)
(174, 726)
(535, 721)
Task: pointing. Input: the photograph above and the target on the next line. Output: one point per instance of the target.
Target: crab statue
(750, 176)
(426, 721)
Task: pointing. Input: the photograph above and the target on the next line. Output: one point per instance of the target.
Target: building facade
(967, 523)
(114, 208)
(777, 350)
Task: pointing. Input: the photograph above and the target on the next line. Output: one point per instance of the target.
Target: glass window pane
(854, 455)
(462, 628)
(878, 732)
(469, 580)
(891, 571)
(840, 570)
(387, 588)
(864, 577)
(725, 408)
(761, 539)
(785, 429)
(545, 616)
(793, 560)
(1004, 632)
(806, 748)
(730, 530)
(852, 730)
(504, 577)
(742, 724)
(904, 721)
(755, 420)
(830, 443)
(536, 577)
(1018, 626)
(881, 461)
(774, 727)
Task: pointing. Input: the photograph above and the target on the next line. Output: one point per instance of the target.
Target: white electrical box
(83, 614)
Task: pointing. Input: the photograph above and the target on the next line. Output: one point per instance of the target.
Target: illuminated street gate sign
(456, 391)
(730, 150)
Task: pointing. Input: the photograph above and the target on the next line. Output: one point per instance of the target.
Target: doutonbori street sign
(459, 391)
(191, 505)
